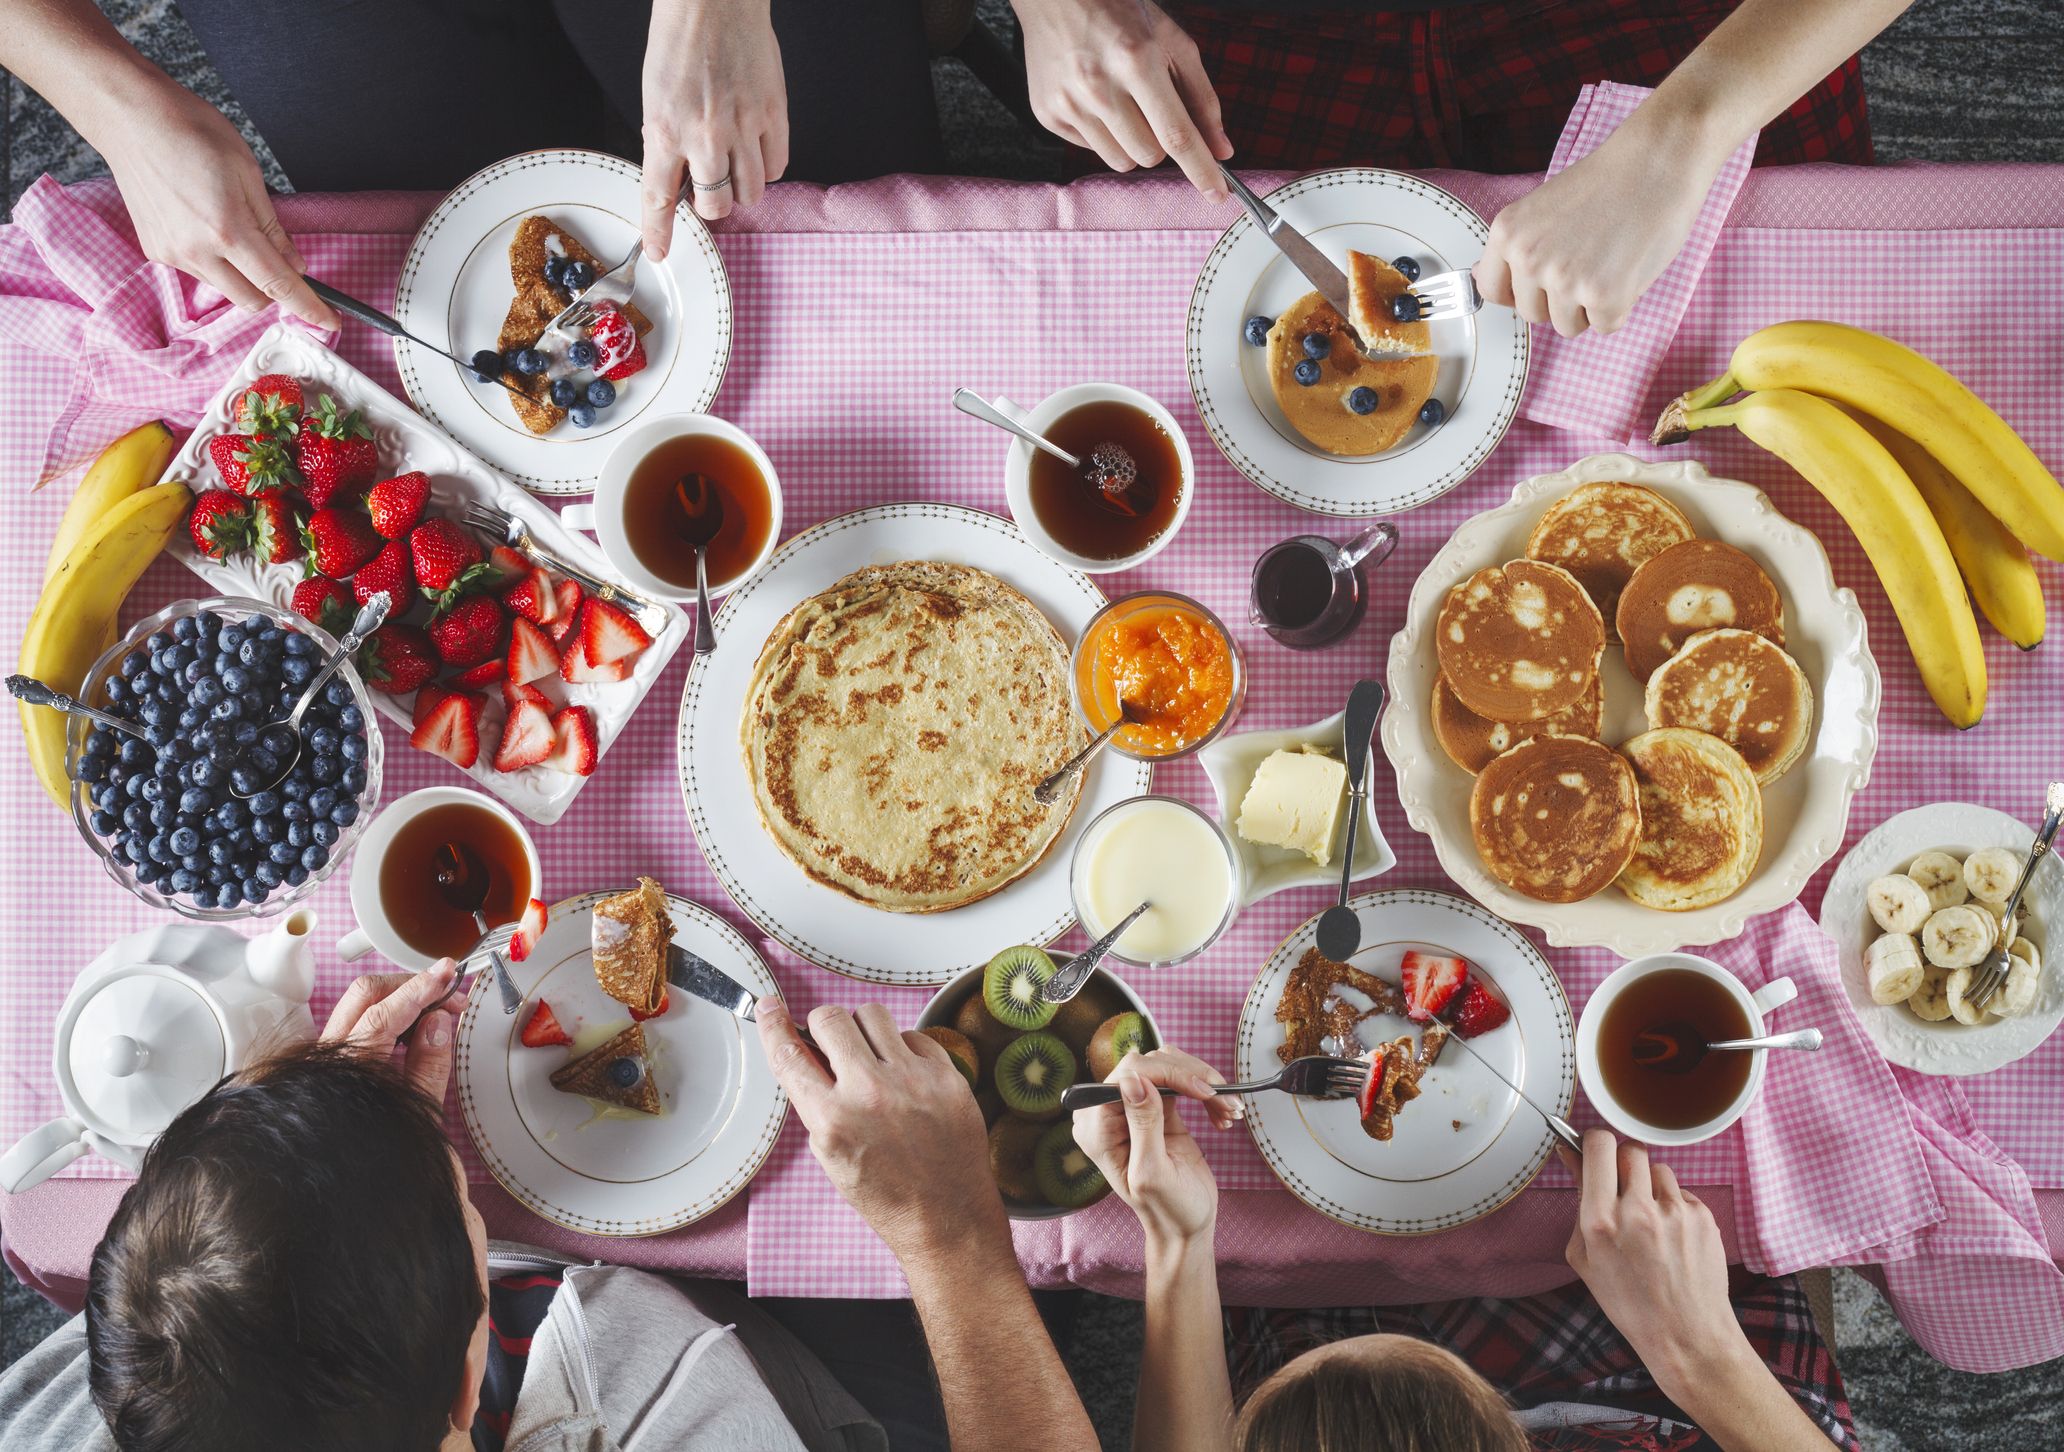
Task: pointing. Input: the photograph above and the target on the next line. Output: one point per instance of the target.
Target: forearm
(1185, 1401)
(73, 57)
(1737, 1401)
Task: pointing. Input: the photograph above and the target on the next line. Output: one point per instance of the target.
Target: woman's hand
(1145, 1150)
(1122, 79)
(378, 1008)
(716, 110)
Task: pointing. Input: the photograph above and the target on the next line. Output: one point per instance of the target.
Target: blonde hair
(1377, 1394)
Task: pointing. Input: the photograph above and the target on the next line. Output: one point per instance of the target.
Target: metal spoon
(1049, 791)
(270, 736)
(1065, 984)
(1677, 1048)
(975, 406)
(701, 516)
(463, 880)
(33, 691)
(1340, 930)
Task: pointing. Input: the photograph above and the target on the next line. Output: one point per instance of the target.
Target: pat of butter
(1295, 803)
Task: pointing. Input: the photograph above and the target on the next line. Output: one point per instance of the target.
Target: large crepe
(895, 726)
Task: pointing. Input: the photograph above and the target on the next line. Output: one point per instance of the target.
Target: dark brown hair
(1398, 1395)
(291, 1269)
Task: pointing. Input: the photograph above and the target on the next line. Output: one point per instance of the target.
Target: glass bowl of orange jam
(1172, 659)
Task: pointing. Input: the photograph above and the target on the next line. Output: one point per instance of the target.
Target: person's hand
(1122, 79)
(378, 1008)
(892, 1121)
(716, 110)
(1145, 1150)
(199, 204)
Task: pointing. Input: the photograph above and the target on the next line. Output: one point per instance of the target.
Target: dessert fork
(615, 286)
(1316, 1076)
(1446, 295)
(651, 616)
(1991, 975)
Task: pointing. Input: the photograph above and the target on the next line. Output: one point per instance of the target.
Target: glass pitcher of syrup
(1309, 590)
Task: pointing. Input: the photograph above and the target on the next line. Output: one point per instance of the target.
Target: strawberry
(469, 632)
(641, 1015)
(397, 659)
(541, 1029)
(1479, 1012)
(271, 406)
(395, 504)
(573, 742)
(447, 560)
(252, 464)
(325, 601)
(1365, 1101)
(275, 529)
(562, 622)
(493, 669)
(516, 693)
(601, 675)
(509, 563)
(220, 524)
(426, 701)
(529, 929)
(531, 657)
(339, 541)
(622, 350)
(1430, 980)
(533, 598)
(527, 737)
(388, 570)
(450, 728)
(334, 451)
(607, 634)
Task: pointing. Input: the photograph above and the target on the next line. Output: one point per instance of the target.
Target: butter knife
(706, 981)
(1318, 269)
(1562, 1127)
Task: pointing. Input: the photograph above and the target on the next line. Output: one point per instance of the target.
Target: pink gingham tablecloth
(870, 303)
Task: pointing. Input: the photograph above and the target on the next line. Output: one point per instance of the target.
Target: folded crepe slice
(595, 1075)
(629, 937)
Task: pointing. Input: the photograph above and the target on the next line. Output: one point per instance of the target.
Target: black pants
(419, 94)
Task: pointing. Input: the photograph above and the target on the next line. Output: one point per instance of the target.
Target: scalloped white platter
(455, 289)
(1805, 812)
(1232, 761)
(619, 1172)
(1467, 1144)
(408, 442)
(1483, 359)
(1949, 1047)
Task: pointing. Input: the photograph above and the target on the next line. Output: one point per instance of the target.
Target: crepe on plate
(628, 936)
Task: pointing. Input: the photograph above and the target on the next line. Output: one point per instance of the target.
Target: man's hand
(1145, 1150)
(1121, 78)
(716, 110)
(377, 1009)
(892, 1122)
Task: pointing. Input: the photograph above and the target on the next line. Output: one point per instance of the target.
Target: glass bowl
(1091, 687)
(1079, 867)
(92, 692)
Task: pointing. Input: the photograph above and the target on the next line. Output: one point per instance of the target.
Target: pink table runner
(1092, 281)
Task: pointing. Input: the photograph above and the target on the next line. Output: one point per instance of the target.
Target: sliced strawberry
(487, 673)
(526, 736)
(427, 697)
(608, 633)
(573, 742)
(1479, 1012)
(621, 350)
(568, 614)
(515, 693)
(451, 727)
(533, 598)
(1366, 1100)
(531, 657)
(1430, 980)
(528, 930)
(641, 1015)
(509, 562)
(541, 1029)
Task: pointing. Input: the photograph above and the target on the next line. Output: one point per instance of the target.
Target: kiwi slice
(1012, 1145)
(1116, 1036)
(989, 1037)
(1010, 988)
(962, 1052)
(1031, 1074)
(1064, 1174)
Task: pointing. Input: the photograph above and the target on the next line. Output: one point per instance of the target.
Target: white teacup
(604, 517)
(1771, 996)
(1017, 470)
(375, 929)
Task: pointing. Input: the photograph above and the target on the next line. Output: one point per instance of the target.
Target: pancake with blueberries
(1337, 399)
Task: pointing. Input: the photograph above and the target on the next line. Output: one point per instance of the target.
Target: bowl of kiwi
(1019, 1053)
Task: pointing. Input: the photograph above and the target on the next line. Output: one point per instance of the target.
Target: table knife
(1318, 269)
(709, 983)
(1561, 1126)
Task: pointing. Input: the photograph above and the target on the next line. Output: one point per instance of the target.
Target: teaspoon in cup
(462, 879)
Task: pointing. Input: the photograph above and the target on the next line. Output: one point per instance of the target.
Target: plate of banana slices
(1916, 908)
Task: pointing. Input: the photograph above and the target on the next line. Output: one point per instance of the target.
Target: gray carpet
(1953, 80)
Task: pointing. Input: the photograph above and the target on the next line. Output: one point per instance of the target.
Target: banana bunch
(117, 522)
(1942, 495)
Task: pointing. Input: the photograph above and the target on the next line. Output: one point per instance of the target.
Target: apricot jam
(1174, 665)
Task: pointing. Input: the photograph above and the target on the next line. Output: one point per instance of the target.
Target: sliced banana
(1957, 937)
(1954, 987)
(2017, 994)
(1941, 876)
(1894, 965)
(1991, 873)
(1898, 903)
(1931, 1000)
(2027, 952)
(2004, 928)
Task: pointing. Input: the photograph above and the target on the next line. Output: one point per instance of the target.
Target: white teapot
(152, 1024)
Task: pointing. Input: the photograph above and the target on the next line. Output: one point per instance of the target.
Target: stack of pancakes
(1675, 815)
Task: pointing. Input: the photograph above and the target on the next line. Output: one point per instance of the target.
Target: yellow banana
(1871, 492)
(132, 462)
(1994, 564)
(70, 624)
(1892, 382)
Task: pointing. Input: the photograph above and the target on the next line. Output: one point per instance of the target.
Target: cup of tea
(402, 909)
(1670, 1000)
(1130, 494)
(676, 481)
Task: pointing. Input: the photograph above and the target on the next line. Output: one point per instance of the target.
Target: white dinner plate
(619, 1173)
(810, 919)
(1467, 1144)
(1483, 359)
(1805, 812)
(456, 478)
(1948, 1047)
(455, 290)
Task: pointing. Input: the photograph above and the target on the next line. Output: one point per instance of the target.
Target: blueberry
(487, 365)
(236, 679)
(583, 415)
(1316, 345)
(555, 270)
(228, 895)
(324, 833)
(163, 815)
(185, 880)
(254, 891)
(152, 712)
(299, 644)
(564, 392)
(207, 691)
(350, 719)
(295, 812)
(1405, 308)
(233, 813)
(322, 801)
(244, 780)
(135, 816)
(1306, 371)
(158, 641)
(297, 835)
(137, 849)
(337, 693)
(185, 841)
(184, 628)
(294, 788)
(1408, 267)
(297, 670)
(104, 823)
(231, 637)
(626, 1072)
(578, 275)
(220, 851)
(133, 663)
(195, 800)
(252, 653)
(115, 689)
(529, 362)
(296, 875)
(264, 804)
(134, 752)
(161, 848)
(583, 354)
(263, 765)
(602, 393)
(1432, 411)
(1363, 400)
(314, 856)
(268, 874)
(283, 852)
(278, 739)
(346, 814)
(1257, 330)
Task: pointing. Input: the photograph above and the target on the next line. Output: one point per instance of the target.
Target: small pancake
(1602, 533)
(1519, 641)
(1701, 584)
(1372, 285)
(1472, 742)
(1556, 818)
(1319, 411)
(1737, 686)
(1701, 820)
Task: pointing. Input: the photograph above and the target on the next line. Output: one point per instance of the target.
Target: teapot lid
(143, 1047)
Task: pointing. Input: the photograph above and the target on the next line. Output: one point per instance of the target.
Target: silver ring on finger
(716, 186)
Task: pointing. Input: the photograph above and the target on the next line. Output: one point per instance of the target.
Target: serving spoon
(1340, 929)
(1678, 1048)
(283, 739)
(462, 880)
(701, 516)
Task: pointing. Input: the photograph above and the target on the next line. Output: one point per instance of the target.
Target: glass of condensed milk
(1163, 851)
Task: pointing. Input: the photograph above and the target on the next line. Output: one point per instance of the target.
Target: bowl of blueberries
(185, 818)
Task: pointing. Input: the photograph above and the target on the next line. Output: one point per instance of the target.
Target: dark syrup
(655, 519)
(1669, 1000)
(1081, 514)
(1301, 599)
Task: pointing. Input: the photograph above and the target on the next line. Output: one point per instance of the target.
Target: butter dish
(1231, 762)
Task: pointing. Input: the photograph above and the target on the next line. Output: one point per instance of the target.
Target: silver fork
(615, 285)
(1317, 1076)
(650, 614)
(1447, 295)
(1991, 976)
